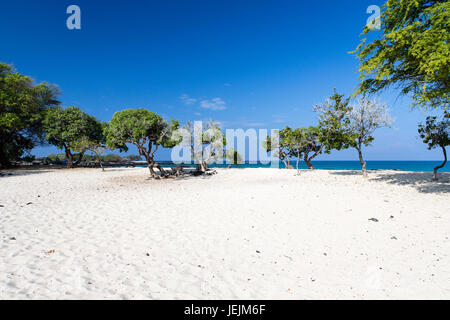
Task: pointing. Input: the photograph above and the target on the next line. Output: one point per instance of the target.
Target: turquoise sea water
(351, 165)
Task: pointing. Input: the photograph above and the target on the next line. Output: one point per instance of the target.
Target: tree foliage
(234, 157)
(366, 117)
(300, 143)
(143, 128)
(334, 123)
(280, 146)
(309, 144)
(205, 141)
(72, 130)
(436, 134)
(413, 53)
(22, 109)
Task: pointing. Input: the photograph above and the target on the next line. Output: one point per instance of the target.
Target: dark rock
(373, 219)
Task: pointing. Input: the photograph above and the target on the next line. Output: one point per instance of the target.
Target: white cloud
(187, 100)
(213, 104)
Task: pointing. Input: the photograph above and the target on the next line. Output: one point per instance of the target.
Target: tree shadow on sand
(20, 172)
(421, 181)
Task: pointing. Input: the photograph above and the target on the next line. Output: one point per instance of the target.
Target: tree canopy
(334, 123)
(72, 130)
(436, 134)
(280, 146)
(366, 117)
(143, 128)
(22, 109)
(309, 144)
(413, 53)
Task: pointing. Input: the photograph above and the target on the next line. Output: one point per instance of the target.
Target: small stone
(258, 251)
(12, 238)
(373, 219)
(147, 254)
(29, 203)
(394, 238)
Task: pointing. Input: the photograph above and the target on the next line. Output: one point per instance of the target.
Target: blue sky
(245, 63)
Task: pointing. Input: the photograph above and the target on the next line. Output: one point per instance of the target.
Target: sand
(239, 234)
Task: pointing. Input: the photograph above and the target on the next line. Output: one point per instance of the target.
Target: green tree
(280, 146)
(436, 134)
(412, 54)
(70, 129)
(334, 130)
(366, 117)
(309, 144)
(294, 143)
(143, 128)
(22, 108)
(205, 141)
(234, 157)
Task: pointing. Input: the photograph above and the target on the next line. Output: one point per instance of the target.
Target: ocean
(426, 166)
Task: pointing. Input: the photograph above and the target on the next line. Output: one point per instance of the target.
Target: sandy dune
(240, 234)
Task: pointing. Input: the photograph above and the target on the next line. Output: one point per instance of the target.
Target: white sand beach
(239, 234)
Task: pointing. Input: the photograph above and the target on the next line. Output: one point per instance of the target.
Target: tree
(234, 157)
(22, 108)
(280, 146)
(143, 128)
(436, 134)
(96, 147)
(294, 143)
(205, 141)
(365, 118)
(55, 158)
(310, 145)
(412, 54)
(133, 157)
(67, 129)
(334, 123)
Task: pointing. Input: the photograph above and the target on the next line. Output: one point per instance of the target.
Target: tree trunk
(152, 171)
(204, 166)
(80, 157)
(161, 169)
(4, 161)
(289, 163)
(308, 162)
(442, 165)
(363, 163)
(100, 162)
(69, 159)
